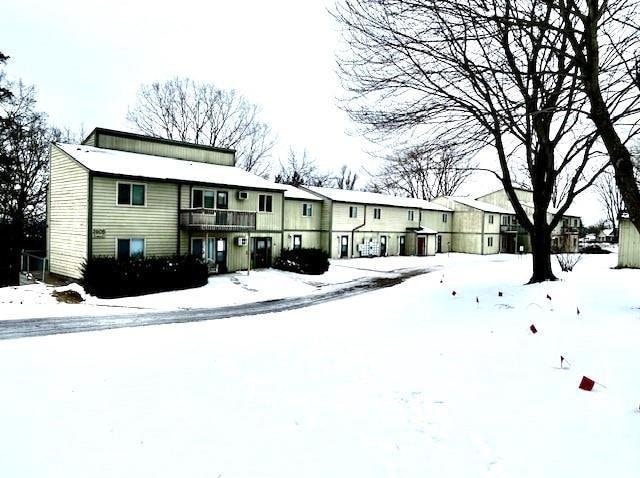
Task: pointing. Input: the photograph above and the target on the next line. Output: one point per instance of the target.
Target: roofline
(455, 199)
(172, 142)
(446, 209)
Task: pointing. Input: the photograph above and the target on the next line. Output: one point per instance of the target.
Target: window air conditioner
(241, 241)
(243, 195)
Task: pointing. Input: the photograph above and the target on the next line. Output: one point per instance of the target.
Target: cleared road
(13, 329)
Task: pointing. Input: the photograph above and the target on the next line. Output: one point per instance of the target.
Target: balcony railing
(203, 219)
(512, 228)
(570, 230)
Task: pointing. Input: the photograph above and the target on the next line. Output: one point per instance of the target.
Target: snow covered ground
(230, 289)
(410, 381)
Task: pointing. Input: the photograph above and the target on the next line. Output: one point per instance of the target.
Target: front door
(422, 243)
(262, 252)
(221, 254)
(401, 248)
(439, 243)
(344, 246)
(383, 245)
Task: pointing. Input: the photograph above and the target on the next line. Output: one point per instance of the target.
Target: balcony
(203, 219)
(514, 228)
(570, 229)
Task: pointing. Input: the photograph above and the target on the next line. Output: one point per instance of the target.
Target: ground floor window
(297, 241)
(130, 248)
(490, 241)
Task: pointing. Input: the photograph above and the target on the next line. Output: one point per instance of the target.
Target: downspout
(178, 221)
(482, 235)
(353, 231)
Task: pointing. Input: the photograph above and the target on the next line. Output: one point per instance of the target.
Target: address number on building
(98, 233)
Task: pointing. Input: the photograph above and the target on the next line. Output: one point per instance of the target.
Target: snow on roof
(363, 197)
(480, 205)
(426, 230)
(292, 192)
(125, 163)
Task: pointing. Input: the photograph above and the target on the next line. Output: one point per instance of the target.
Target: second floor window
(131, 194)
(377, 213)
(490, 218)
(265, 203)
(202, 198)
(222, 197)
(444, 218)
(307, 210)
(410, 215)
(353, 211)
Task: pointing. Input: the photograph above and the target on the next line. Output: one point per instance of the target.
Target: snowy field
(410, 381)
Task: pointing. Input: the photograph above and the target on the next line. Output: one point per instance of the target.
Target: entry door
(383, 245)
(401, 248)
(422, 249)
(439, 243)
(197, 247)
(344, 246)
(221, 254)
(262, 252)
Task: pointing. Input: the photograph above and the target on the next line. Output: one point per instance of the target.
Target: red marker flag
(586, 384)
(533, 329)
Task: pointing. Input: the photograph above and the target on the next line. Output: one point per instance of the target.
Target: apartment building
(628, 243)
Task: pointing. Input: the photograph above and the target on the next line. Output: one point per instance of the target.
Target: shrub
(303, 261)
(568, 261)
(107, 277)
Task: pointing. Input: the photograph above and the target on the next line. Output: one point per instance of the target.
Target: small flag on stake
(533, 329)
(453, 293)
(586, 384)
(563, 361)
(577, 311)
(477, 300)
(499, 293)
(548, 297)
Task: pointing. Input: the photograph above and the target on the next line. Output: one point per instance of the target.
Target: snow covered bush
(303, 261)
(107, 277)
(567, 261)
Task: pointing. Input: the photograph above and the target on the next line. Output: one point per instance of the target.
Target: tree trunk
(541, 248)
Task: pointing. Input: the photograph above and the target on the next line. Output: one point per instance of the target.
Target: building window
(202, 198)
(130, 248)
(307, 209)
(131, 194)
(444, 218)
(410, 215)
(353, 211)
(265, 203)
(222, 198)
(490, 241)
(490, 218)
(297, 241)
(377, 213)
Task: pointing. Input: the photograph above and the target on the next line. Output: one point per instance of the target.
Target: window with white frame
(130, 194)
(353, 211)
(130, 248)
(490, 218)
(222, 200)
(307, 209)
(203, 198)
(444, 217)
(265, 203)
(490, 241)
(377, 213)
(410, 215)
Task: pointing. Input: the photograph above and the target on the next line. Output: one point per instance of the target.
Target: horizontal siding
(157, 222)
(310, 239)
(629, 245)
(67, 215)
(294, 220)
(201, 155)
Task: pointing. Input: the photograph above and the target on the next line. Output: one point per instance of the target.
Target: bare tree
(609, 196)
(424, 172)
(603, 37)
(299, 169)
(186, 110)
(346, 178)
(465, 72)
(24, 159)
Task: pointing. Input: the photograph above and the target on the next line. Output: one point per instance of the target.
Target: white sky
(87, 58)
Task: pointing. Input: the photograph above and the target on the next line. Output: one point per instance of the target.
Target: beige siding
(149, 146)
(67, 215)
(629, 245)
(295, 221)
(91, 140)
(156, 222)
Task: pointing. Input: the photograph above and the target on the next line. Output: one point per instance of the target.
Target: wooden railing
(203, 219)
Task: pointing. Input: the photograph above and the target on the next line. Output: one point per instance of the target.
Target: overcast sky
(88, 58)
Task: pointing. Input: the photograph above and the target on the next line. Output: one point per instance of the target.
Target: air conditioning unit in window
(241, 241)
(242, 195)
